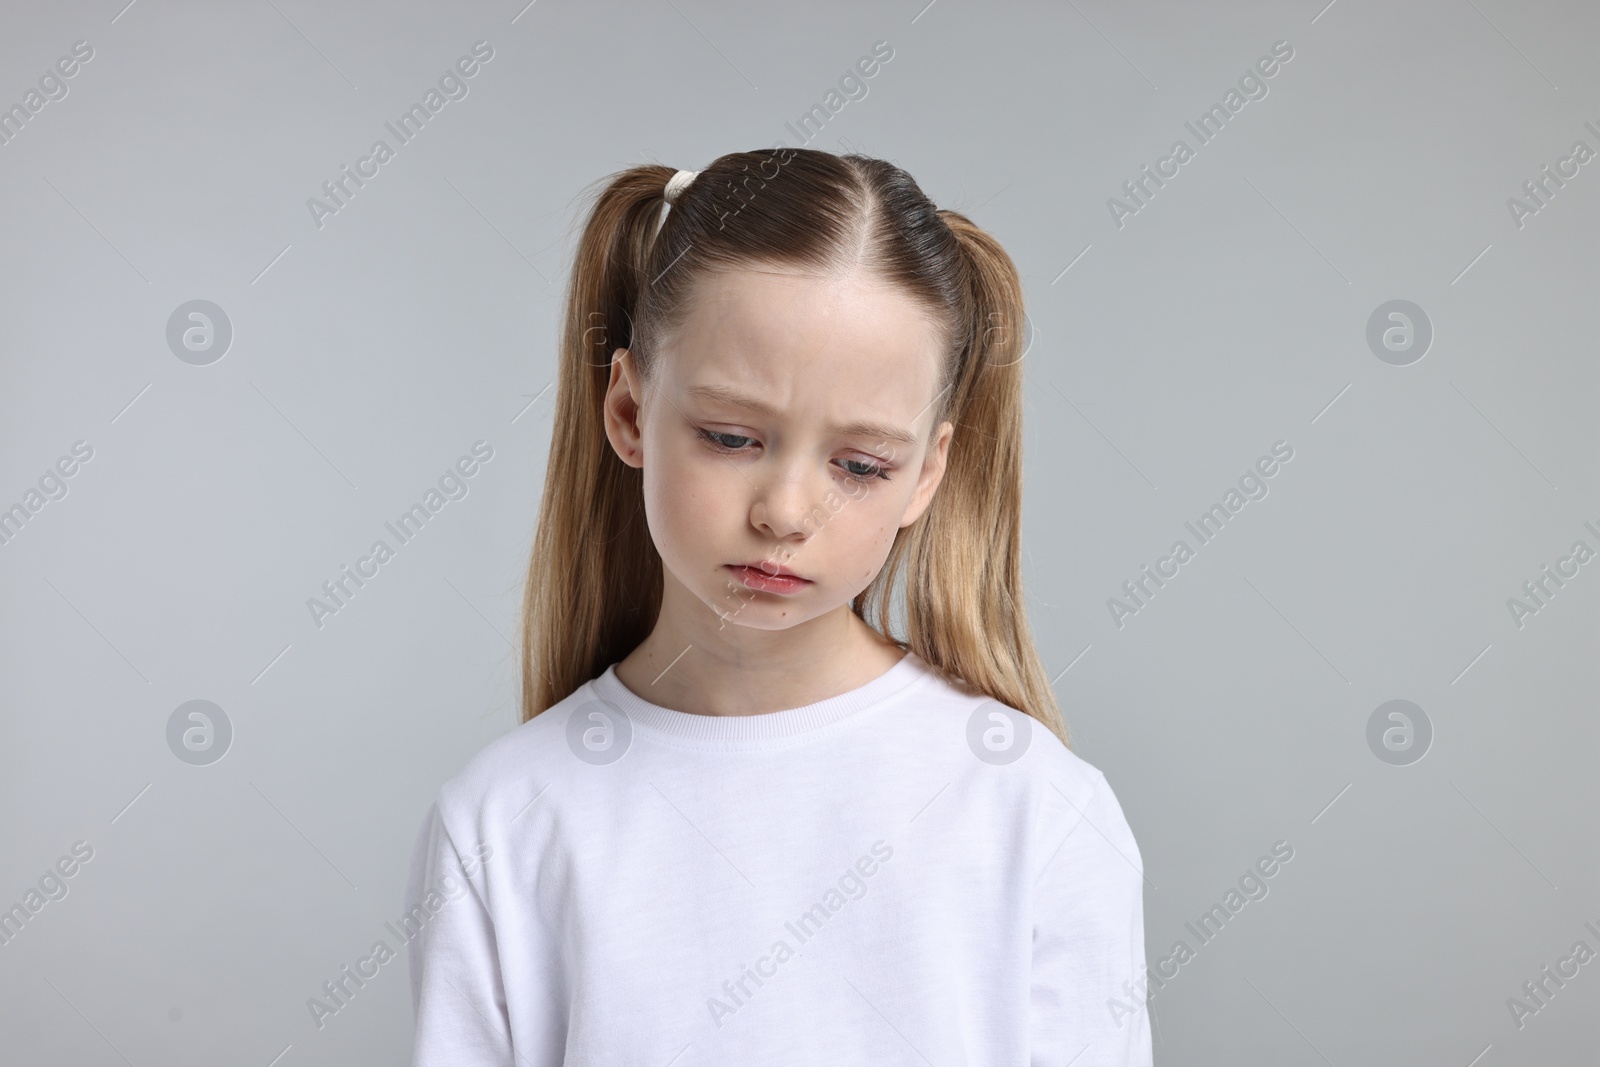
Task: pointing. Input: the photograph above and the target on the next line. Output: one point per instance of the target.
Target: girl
(740, 822)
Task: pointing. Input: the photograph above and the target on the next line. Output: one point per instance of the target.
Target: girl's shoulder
(1017, 750)
(1000, 734)
(1001, 753)
(530, 754)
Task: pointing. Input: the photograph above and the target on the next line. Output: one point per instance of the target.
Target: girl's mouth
(756, 578)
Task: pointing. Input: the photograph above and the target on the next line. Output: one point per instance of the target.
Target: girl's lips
(755, 578)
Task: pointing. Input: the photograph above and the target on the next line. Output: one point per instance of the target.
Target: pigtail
(594, 581)
(964, 605)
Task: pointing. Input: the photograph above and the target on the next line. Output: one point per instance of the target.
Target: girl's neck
(738, 671)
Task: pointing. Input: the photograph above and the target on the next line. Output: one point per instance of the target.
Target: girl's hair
(594, 583)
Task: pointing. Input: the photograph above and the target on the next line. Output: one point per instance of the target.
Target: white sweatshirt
(906, 873)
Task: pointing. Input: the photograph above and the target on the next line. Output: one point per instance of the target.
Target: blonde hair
(594, 581)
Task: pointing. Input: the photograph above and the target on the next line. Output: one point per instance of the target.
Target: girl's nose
(788, 502)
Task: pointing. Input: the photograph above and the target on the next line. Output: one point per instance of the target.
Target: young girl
(741, 823)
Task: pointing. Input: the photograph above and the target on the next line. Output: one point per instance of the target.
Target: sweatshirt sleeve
(456, 992)
(1088, 932)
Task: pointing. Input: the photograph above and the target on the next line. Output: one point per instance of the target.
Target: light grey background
(1229, 313)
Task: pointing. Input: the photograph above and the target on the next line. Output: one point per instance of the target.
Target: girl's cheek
(690, 502)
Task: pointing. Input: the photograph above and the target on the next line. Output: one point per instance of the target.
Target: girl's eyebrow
(729, 395)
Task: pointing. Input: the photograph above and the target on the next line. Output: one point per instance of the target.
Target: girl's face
(787, 429)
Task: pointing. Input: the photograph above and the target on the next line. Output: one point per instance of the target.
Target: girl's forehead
(766, 323)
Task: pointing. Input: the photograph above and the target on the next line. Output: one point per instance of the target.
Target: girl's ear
(932, 473)
(621, 410)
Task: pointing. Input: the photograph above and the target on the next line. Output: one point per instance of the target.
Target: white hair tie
(675, 187)
(677, 183)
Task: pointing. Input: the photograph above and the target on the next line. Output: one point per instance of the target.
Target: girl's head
(787, 425)
(807, 368)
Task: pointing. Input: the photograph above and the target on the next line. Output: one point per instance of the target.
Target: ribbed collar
(767, 729)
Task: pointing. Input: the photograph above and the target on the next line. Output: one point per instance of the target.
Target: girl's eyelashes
(720, 440)
(872, 471)
(857, 469)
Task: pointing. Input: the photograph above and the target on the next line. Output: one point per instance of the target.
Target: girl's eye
(723, 441)
(868, 472)
(858, 469)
